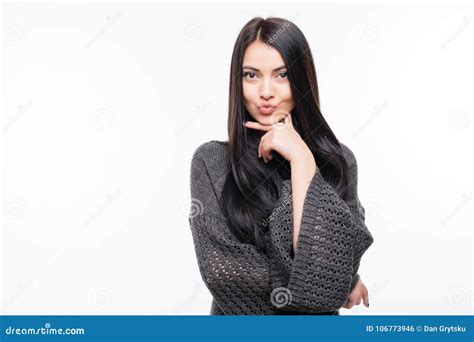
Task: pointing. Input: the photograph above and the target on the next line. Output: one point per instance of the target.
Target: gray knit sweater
(316, 279)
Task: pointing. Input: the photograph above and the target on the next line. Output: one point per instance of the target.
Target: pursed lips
(267, 109)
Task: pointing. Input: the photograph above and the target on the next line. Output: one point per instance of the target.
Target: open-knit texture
(316, 279)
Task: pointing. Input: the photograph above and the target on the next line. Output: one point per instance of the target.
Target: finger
(281, 120)
(365, 296)
(261, 148)
(257, 125)
(264, 151)
(359, 300)
(269, 155)
(266, 148)
(262, 144)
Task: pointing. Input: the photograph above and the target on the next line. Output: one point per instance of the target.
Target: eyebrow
(255, 69)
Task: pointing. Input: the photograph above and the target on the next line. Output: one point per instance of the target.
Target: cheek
(250, 93)
(285, 94)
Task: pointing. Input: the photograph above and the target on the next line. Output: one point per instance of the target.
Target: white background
(104, 104)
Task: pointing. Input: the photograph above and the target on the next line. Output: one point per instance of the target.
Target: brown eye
(283, 74)
(250, 74)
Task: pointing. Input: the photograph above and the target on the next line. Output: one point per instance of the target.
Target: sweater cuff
(354, 282)
(325, 212)
(323, 264)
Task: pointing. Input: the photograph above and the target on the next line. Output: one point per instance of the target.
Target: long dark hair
(250, 191)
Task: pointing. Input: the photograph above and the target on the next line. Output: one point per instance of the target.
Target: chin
(262, 118)
(265, 120)
(269, 119)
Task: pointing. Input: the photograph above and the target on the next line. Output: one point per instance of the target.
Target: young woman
(276, 221)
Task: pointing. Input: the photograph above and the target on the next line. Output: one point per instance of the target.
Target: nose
(266, 90)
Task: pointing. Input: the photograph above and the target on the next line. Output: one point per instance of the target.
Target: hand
(281, 137)
(359, 293)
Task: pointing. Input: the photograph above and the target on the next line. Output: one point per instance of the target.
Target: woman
(277, 225)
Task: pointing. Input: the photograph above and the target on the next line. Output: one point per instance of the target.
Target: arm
(236, 274)
(302, 171)
(240, 278)
(332, 239)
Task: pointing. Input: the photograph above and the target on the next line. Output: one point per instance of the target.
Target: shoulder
(210, 151)
(211, 158)
(209, 165)
(208, 148)
(353, 171)
(349, 155)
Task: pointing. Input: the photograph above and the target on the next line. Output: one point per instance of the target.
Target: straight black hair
(250, 191)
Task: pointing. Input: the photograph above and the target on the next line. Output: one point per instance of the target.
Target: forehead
(262, 56)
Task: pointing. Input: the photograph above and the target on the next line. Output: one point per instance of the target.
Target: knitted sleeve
(317, 278)
(332, 239)
(236, 274)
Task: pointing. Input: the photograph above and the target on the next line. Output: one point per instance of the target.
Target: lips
(267, 109)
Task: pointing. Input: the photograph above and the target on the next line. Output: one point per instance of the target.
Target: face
(267, 93)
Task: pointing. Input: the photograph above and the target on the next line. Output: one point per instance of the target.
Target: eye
(283, 74)
(249, 75)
